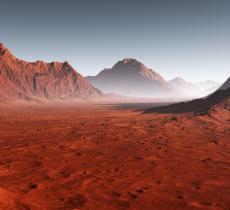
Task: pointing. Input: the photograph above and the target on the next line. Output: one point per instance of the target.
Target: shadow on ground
(197, 106)
(134, 106)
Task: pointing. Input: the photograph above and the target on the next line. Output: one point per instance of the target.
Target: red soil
(98, 157)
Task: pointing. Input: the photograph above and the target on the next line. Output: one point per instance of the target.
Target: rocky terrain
(103, 157)
(35, 80)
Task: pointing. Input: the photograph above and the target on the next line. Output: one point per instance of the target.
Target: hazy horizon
(188, 39)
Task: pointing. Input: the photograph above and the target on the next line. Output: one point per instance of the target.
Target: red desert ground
(69, 142)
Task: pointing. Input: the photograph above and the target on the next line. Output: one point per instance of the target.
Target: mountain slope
(130, 77)
(226, 85)
(21, 79)
(218, 100)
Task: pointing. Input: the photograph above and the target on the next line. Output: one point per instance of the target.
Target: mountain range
(186, 87)
(132, 78)
(55, 80)
(207, 85)
(199, 89)
(30, 80)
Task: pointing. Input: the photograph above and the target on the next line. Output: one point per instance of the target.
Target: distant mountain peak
(128, 62)
(132, 78)
(186, 87)
(133, 67)
(179, 78)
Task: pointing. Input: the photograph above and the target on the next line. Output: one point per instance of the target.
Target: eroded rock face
(132, 78)
(21, 79)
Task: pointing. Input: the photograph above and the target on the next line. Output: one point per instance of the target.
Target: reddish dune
(97, 157)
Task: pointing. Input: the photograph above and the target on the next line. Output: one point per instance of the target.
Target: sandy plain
(112, 157)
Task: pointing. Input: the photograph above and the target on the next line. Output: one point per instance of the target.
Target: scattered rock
(173, 118)
(76, 201)
(140, 190)
(33, 185)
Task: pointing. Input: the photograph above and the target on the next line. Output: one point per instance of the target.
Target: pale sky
(186, 38)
